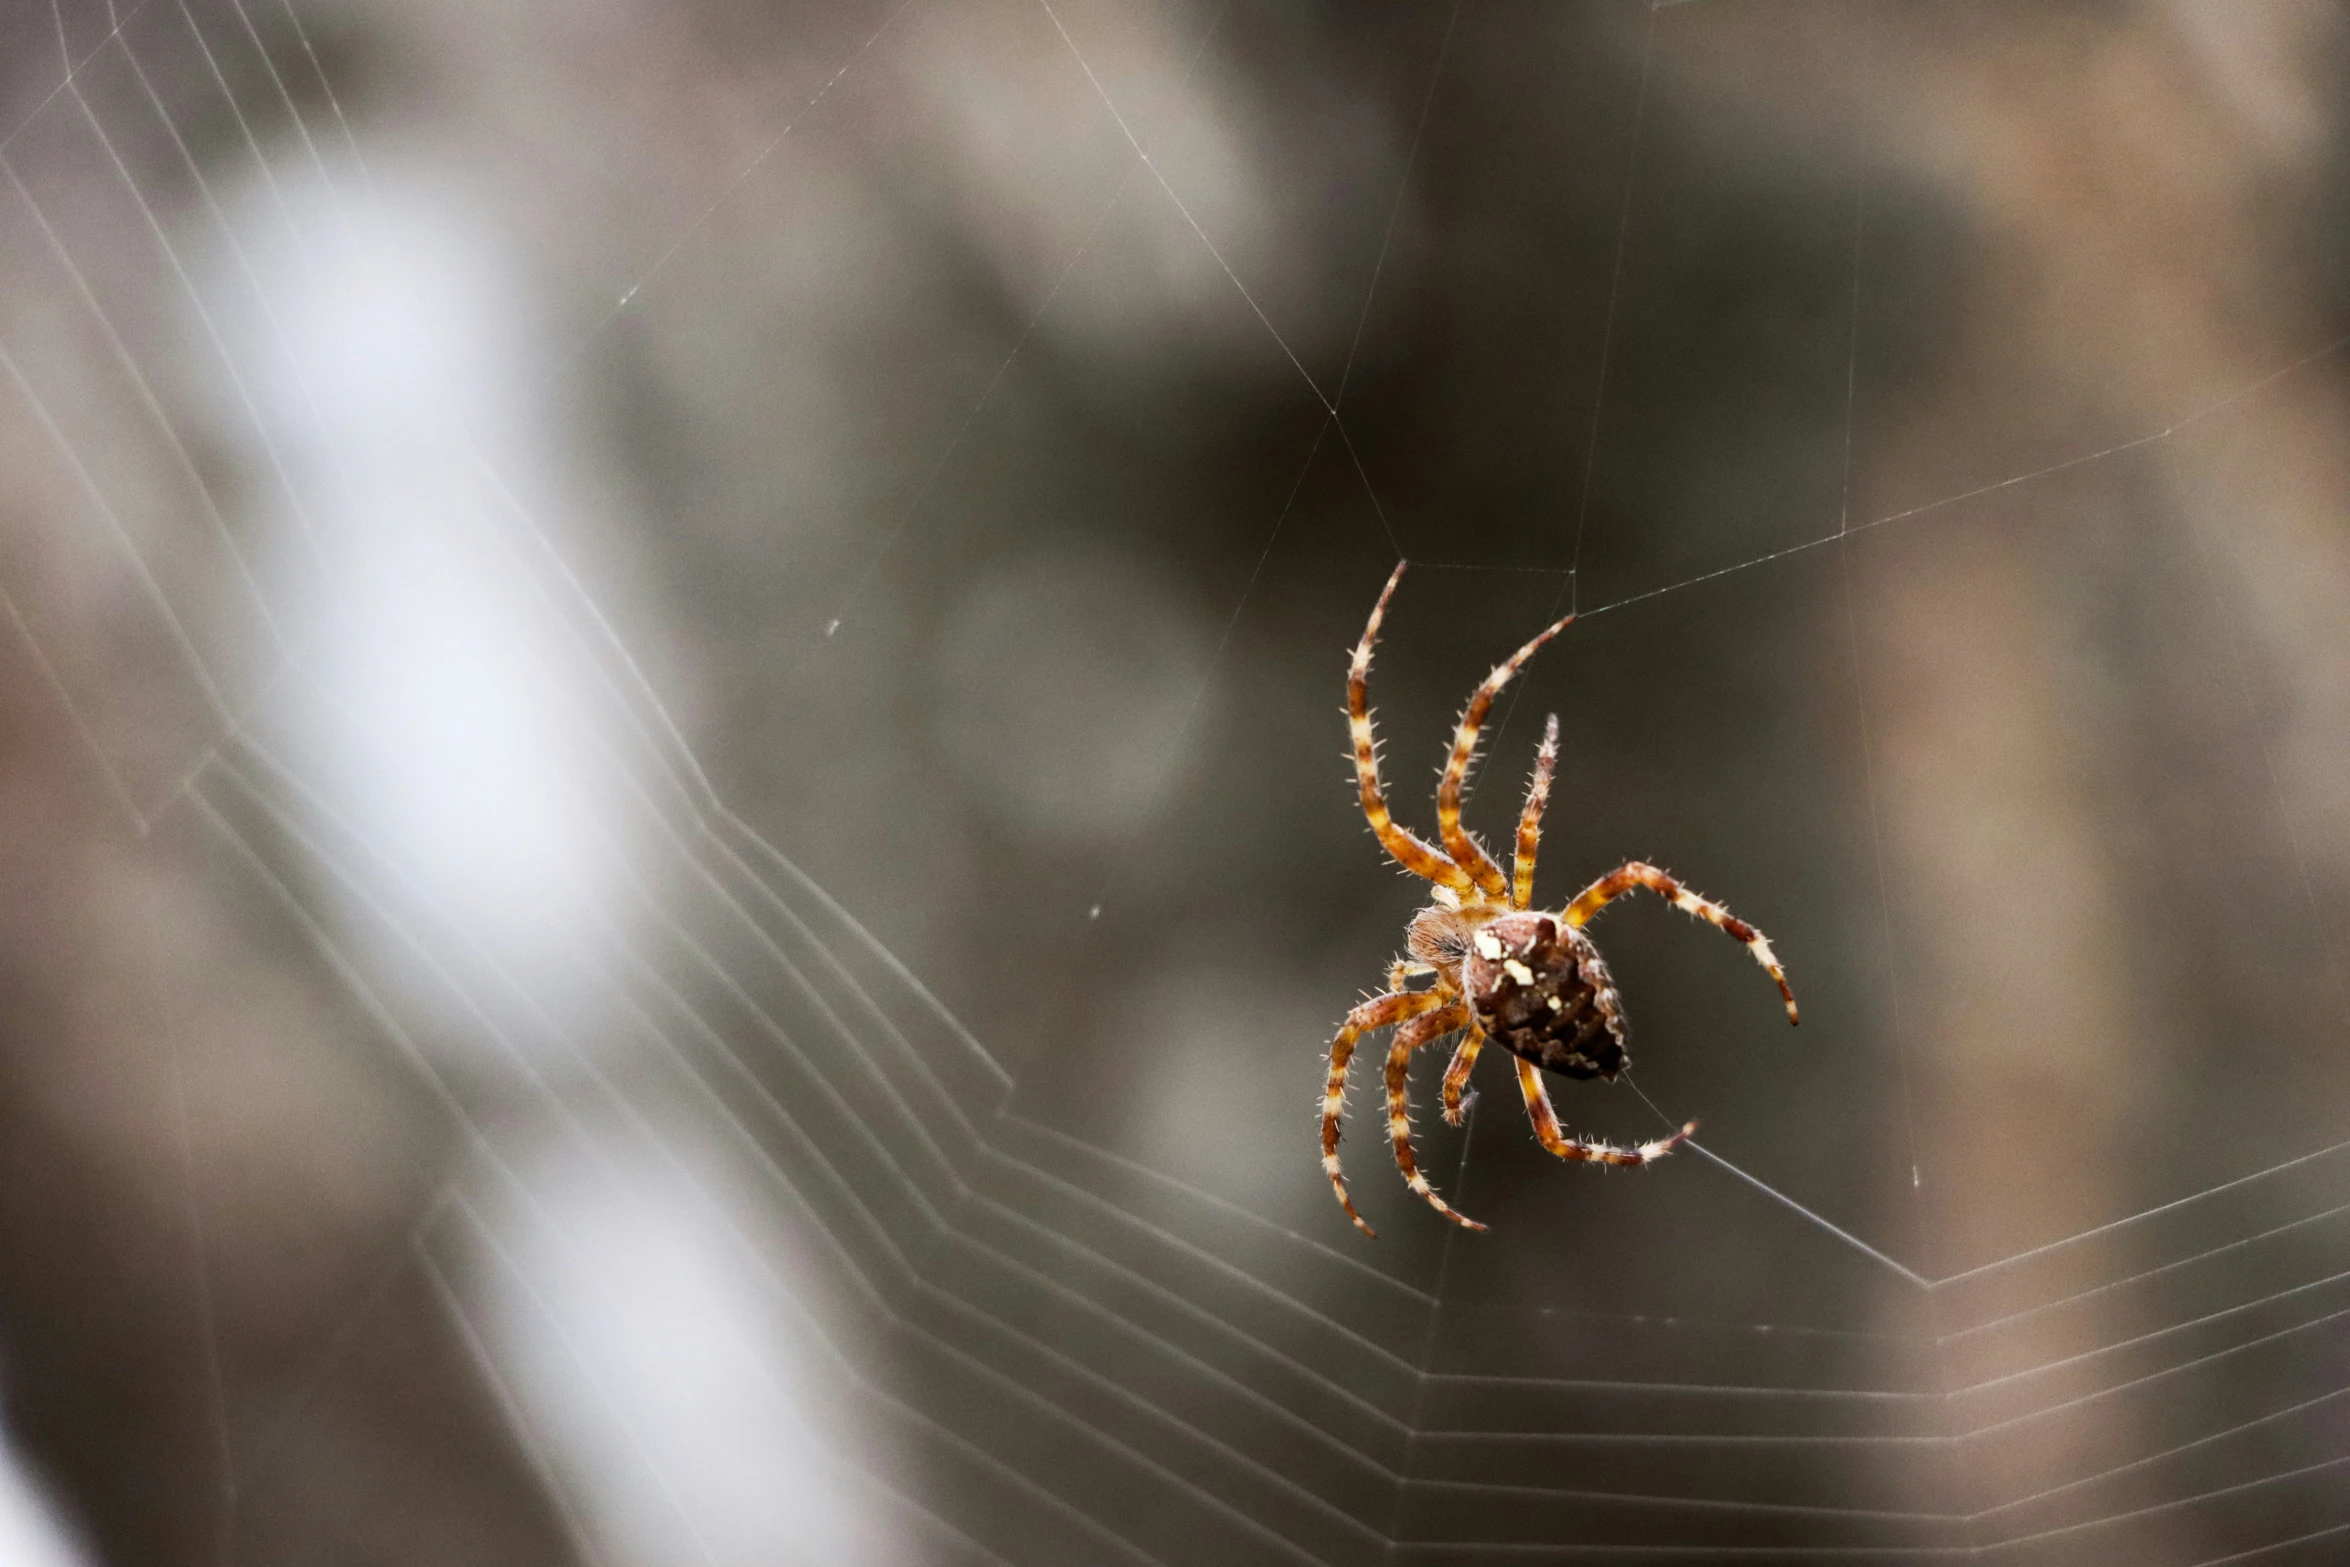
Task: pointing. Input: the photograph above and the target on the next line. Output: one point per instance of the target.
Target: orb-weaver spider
(1503, 971)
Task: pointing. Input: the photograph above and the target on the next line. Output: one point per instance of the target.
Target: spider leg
(1530, 819)
(1409, 850)
(1399, 1121)
(1406, 969)
(1634, 874)
(1548, 1134)
(1465, 850)
(1456, 1076)
(1375, 1013)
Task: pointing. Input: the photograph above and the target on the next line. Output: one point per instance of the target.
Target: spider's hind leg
(1399, 1120)
(1549, 1134)
(1456, 1076)
(1378, 1012)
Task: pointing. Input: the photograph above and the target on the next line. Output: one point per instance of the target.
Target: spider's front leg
(1408, 850)
(1464, 849)
(1530, 818)
(1376, 1013)
(1552, 1137)
(1403, 970)
(1634, 875)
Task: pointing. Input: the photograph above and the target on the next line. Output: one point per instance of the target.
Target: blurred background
(675, 859)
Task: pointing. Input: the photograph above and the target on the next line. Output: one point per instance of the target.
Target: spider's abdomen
(1541, 991)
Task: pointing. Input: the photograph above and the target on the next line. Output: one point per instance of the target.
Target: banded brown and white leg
(1530, 819)
(1465, 850)
(1403, 969)
(1548, 1133)
(1409, 850)
(1635, 875)
(1378, 1012)
(1456, 1076)
(1409, 1038)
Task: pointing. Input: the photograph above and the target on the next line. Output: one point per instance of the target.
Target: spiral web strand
(1152, 1372)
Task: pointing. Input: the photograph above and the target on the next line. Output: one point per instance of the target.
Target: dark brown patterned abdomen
(1541, 991)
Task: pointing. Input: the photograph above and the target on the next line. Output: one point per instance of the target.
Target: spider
(1503, 970)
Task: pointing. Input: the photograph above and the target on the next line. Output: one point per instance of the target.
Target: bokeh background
(674, 853)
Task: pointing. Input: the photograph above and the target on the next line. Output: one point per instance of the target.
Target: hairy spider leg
(1530, 819)
(1376, 1013)
(1549, 1135)
(1465, 850)
(1456, 1076)
(1633, 875)
(1410, 851)
(1404, 970)
(1409, 1038)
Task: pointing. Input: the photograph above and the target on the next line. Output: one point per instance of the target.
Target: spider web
(783, 1215)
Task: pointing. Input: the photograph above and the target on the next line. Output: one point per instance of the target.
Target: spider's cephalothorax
(1532, 981)
(1539, 989)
